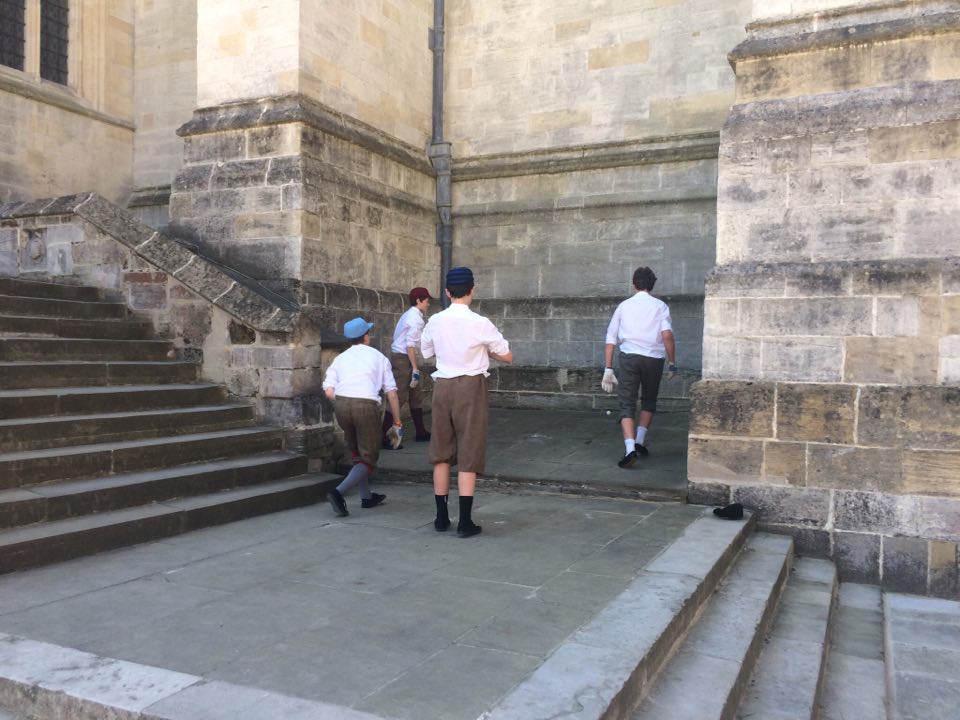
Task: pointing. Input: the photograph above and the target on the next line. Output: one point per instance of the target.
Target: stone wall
(831, 334)
(289, 191)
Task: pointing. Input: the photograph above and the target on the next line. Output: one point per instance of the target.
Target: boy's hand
(395, 436)
(609, 380)
(415, 379)
(671, 371)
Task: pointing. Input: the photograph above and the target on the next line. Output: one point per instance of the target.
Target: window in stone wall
(12, 33)
(54, 37)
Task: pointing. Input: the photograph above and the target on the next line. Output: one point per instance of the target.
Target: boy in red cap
(403, 360)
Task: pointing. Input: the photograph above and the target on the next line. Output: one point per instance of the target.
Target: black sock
(442, 516)
(466, 506)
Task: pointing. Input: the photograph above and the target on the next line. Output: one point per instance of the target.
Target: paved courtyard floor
(376, 611)
(568, 451)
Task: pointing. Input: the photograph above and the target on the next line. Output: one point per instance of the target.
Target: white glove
(395, 436)
(415, 379)
(671, 371)
(609, 380)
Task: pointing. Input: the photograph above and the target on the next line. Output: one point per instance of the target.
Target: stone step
(107, 329)
(42, 402)
(51, 542)
(18, 470)
(855, 685)
(717, 656)
(604, 669)
(41, 349)
(788, 679)
(922, 654)
(59, 501)
(81, 310)
(53, 291)
(62, 374)
(23, 434)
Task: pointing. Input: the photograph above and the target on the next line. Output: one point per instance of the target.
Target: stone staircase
(107, 440)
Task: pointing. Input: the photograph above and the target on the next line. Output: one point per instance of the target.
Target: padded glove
(415, 379)
(671, 371)
(395, 436)
(609, 380)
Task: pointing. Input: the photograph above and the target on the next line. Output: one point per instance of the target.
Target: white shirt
(462, 341)
(360, 372)
(637, 324)
(408, 332)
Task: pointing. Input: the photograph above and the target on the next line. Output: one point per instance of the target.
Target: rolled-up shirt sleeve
(494, 339)
(414, 332)
(388, 382)
(665, 323)
(331, 378)
(613, 329)
(426, 342)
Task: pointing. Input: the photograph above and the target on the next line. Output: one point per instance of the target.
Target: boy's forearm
(394, 404)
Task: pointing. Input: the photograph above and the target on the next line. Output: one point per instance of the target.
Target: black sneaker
(642, 450)
(628, 460)
(423, 438)
(337, 502)
(441, 525)
(465, 531)
(374, 500)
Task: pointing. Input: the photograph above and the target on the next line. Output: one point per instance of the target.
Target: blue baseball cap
(356, 328)
(459, 276)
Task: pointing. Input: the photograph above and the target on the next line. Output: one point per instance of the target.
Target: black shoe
(642, 450)
(372, 501)
(628, 460)
(441, 525)
(465, 531)
(734, 511)
(423, 438)
(337, 502)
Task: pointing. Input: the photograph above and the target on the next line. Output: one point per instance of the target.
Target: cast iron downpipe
(439, 151)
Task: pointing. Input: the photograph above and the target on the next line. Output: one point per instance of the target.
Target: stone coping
(678, 148)
(602, 670)
(234, 293)
(63, 682)
(795, 38)
(299, 108)
(18, 83)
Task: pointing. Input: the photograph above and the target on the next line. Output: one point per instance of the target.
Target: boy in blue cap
(463, 342)
(354, 380)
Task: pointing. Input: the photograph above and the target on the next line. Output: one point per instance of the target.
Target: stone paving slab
(567, 452)
(375, 612)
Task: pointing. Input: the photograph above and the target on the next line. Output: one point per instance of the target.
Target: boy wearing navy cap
(354, 380)
(403, 360)
(463, 342)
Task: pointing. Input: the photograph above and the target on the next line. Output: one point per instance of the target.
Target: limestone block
(949, 370)
(929, 141)
(724, 459)
(8, 251)
(732, 408)
(931, 472)
(807, 281)
(239, 174)
(944, 570)
(876, 512)
(817, 187)
(802, 359)
(910, 417)
(214, 147)
(905, 565)
(737, 191)
(852, 467)
(892, 360)
(928, 228)
(806, 316)
(910, 59)
(939, 518)
(732, 358)
(785, 463)
(898, 316)
(290, 383)
(857, 556)
(737, 283)
(840, 148)
(785, 505)
(950, 319)
(190, 322)
(855, 232)
(816, 413)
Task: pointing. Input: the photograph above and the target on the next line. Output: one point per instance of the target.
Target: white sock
(641, 434)
(630, 445)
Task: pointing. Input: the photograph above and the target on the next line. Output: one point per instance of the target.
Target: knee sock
(641, 434)
(386, 425)
(466, 507)
(357, 475)
(442, 515)
(630, 445)
(417, 415)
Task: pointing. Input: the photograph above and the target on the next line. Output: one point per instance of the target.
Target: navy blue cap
(356, 328)
(459, 276)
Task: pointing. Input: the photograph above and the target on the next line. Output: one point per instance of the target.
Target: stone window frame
(30, 74)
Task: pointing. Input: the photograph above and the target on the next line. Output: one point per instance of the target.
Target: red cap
(419, 293)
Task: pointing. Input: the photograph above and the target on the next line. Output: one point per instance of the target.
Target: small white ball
(609, 412)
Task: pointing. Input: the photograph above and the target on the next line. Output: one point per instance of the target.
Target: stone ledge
(298, 108)
(237, 295)
(864, 33)
(699, 146)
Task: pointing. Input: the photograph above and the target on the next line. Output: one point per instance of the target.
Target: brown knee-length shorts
(402, 373)
(360, 419)
(459, 422)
